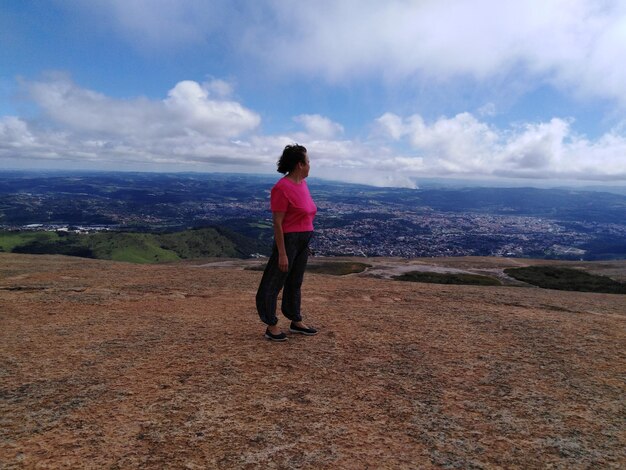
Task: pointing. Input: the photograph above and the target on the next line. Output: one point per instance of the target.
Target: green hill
(10, 240)
(135, 247)
(132, 247)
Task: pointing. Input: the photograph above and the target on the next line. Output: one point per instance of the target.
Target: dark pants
(297, 248)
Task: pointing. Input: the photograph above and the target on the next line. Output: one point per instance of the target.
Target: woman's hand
(283, 262)
(279, 237)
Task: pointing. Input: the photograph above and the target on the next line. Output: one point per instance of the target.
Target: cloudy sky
(385, 93)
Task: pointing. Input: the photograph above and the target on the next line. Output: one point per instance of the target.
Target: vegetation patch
(256, 267)
(131, 246)
(448, 278)
(553, 277)
(199, 243)
(11, 240)
(335, 268)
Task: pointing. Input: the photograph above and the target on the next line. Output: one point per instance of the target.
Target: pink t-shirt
(295, 201)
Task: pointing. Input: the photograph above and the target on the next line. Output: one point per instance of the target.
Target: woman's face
(306, 166)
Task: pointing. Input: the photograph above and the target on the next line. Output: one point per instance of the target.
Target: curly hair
(292, 155)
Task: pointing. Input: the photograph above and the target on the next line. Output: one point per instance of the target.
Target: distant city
(353, 220)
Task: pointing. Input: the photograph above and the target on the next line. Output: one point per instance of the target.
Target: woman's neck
(296, 178)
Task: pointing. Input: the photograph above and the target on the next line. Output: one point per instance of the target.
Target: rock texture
(113, 365)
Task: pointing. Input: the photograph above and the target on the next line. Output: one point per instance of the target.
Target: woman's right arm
(283, 261)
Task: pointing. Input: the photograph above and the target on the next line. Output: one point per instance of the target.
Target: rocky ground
(115, 365)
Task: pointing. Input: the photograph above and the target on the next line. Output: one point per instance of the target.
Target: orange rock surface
(114, 365)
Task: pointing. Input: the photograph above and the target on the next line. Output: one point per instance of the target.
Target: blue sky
(383, 93)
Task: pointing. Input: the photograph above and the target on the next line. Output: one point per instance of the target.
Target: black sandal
(279, 337)
(303, 331)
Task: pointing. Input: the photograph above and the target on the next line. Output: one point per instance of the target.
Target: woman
(293, 211)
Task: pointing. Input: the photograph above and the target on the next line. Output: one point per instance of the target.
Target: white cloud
(157, 24)
(193, 125)
(464, 146)
(218, 88)
(488, 109)
(319, 127)
(194, 111)
(391, 126)
(188, 109)
(576, 45)
(537, 147)
(359, 162)
(14, 133)
(89, 111)
(197, 126)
